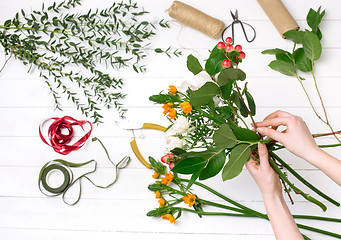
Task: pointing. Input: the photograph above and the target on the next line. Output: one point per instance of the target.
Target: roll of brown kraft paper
(196, 19)
(278, 15)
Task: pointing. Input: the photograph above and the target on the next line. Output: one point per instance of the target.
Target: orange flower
(171, 113)
(172, 89)
(157, 194)
(186, 106)
(167, 179)
(189, 199)
(162, 202)
(168, 217)
(156, 175)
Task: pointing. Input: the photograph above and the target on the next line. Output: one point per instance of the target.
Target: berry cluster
(233, 54)
(168, 159)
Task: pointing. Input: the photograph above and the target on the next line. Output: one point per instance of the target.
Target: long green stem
(305, 182)
(258, 214)
(213, 213)
(296, 189)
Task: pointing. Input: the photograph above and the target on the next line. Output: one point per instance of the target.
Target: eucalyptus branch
(54, 41)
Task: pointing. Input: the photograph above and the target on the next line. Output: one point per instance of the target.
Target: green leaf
(312, 46)
(236, 100)
(214, 166)
(251, 103)
(215, 58)
(163, 98)
(204, 94)
(193, 178)
(189, 165)
(178, 151)
(284, 57)
(226, 90)
(224, 137)
(230, 74)
(314, 19)
(283, 67)
(158, 50)
(238, 157)
(275, 51)
(301, 61)
(193, 65)
(244, 134)
(157, 166)
(157, 212)
(294, 35)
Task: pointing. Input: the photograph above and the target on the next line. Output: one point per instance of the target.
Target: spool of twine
(196, 19)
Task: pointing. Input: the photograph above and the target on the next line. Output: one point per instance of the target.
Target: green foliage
(230, 74)
(224, 137)
(238, 157)
(311, 46)
(283, 67)
(216, 160)
(68, 49)
(189, 165)
(204, 94)
(213, 63)
(300, 59)
(157, 166)
(193, 64)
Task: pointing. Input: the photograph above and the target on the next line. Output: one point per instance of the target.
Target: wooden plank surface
(120, 212)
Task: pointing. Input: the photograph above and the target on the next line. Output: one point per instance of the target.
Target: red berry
(229, 48)
(165, 159)
(171, 165)
(241, 55)
(226, 63)
(228, 40)
(170, 156)
(220, 45)
(238, 48)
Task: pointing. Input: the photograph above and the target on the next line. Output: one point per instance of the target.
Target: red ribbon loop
(58, 140)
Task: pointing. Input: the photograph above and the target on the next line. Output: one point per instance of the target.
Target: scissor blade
(234, 16)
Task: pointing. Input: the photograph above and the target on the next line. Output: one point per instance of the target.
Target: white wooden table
(120, 211)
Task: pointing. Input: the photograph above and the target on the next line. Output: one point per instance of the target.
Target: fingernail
(260, 130)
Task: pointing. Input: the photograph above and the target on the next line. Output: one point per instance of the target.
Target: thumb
(269, 132)
(263, 155)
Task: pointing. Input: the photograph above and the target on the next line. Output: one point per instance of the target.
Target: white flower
(180, 126)
(169, 134)
(175, 142)
(197, 81)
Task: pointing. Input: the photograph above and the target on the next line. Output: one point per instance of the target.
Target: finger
(277, 114)
(251, 166)
(263, 155)
(264, 131)
(274, 122)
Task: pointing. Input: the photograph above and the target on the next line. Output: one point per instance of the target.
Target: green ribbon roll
(65, 168)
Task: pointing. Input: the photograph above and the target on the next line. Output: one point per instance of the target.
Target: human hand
(265, 177)
(296, 137)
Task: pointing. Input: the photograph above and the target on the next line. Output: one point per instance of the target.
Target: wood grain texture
(120, 211)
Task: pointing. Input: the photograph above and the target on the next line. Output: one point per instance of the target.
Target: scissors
(236, 21)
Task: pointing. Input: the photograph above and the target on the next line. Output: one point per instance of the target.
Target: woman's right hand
(296, 137)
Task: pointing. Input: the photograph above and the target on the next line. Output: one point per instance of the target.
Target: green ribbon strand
(65, 168)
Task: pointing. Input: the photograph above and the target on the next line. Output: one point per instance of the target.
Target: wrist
(275, 196)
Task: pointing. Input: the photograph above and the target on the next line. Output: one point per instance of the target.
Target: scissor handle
(153, 126)
(138, 154)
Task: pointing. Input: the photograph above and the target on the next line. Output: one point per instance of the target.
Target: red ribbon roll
(58, 140)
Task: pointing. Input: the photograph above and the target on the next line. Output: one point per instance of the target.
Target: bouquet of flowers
(208, 126)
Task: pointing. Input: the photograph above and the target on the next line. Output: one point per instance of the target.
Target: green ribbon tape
(65, 167)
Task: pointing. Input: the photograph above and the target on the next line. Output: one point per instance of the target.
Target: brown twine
(196, 19)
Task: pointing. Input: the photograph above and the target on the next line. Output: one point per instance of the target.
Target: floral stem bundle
(208, 126)
(172, 191)
(69, 49)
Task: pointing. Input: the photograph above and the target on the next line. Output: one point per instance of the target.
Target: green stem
(264, 216)
(213, 213)
(317, 218)
(221, 206)
(305, 182)
(297, 190)
(310, 102)
(203, 113)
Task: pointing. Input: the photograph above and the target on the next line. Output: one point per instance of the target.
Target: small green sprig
(69, 49)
